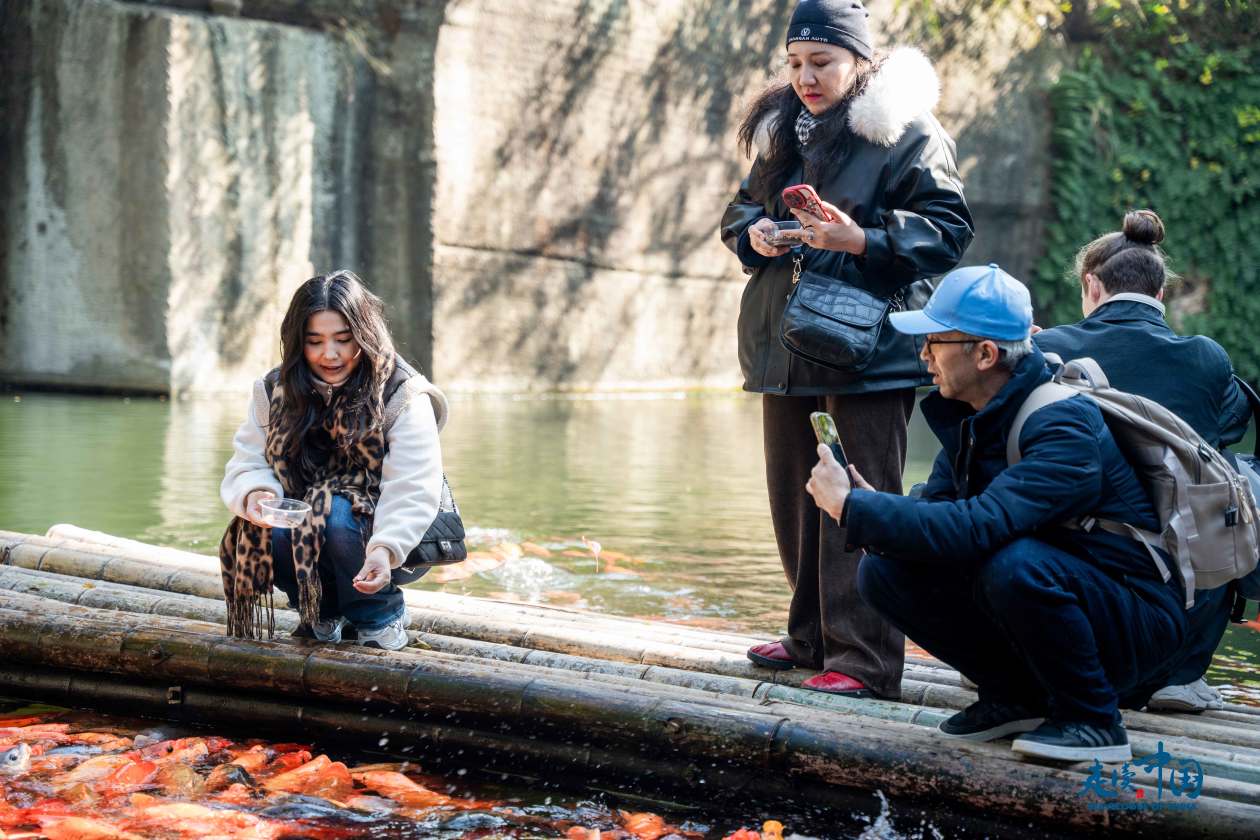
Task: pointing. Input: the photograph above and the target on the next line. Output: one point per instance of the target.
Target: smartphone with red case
(803, 197)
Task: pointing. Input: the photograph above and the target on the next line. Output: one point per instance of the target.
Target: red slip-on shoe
(834, 682)
(771, 655)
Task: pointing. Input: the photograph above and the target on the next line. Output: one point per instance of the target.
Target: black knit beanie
(838, 22)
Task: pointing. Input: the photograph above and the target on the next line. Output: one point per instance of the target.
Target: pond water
(670, 488)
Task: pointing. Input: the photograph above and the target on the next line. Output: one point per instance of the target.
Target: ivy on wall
(1161, 109)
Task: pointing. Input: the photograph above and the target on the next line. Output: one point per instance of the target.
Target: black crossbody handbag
(443, 544)
(832, 323)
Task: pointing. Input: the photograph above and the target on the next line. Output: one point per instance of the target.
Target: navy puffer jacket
(974, 504)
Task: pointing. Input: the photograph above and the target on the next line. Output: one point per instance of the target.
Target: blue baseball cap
(980, 300)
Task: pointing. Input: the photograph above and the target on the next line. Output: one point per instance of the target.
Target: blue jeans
(1034, 625)
(339, 561)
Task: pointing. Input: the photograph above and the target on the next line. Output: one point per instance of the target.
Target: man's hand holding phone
(829, 483)
(833, 477)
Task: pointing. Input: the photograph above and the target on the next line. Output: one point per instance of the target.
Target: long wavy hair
(361, 397)
(775, 111)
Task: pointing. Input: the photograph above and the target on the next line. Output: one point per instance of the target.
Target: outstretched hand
(375, 573)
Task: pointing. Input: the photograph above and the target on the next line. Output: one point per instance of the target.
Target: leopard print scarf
(352, 470)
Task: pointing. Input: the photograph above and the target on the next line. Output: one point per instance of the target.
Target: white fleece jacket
(411, 475)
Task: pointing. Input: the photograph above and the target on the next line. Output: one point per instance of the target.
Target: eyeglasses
(928, 342)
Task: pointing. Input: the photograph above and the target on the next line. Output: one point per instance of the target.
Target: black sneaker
(1070, 741)
(987, 721)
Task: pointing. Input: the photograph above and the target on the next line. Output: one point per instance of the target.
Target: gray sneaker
(392, 636)
(1197, 696)
(329, 629)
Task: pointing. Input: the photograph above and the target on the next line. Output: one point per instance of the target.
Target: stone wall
(172, 176)
(533, 187)
(579, 191)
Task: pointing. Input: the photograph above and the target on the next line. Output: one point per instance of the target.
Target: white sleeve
(248, 469)
(411, 481)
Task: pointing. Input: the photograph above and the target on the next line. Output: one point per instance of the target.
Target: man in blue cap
(990, 570)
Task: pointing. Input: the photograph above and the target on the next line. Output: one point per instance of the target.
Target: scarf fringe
(309, 594)
(248, 616)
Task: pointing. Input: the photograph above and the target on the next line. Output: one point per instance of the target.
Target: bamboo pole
(456, 615)
(1234, 763)
(1230, 778)
(610, 683)
(132, 599)
(901, 759)
(588, 643)
(75, 539)
(1222, 767)
(451, 748)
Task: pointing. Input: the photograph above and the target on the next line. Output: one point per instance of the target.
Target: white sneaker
(329, 630)
(392, 636)
(1197, 696)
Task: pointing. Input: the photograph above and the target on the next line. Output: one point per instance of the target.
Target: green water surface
(671, 487)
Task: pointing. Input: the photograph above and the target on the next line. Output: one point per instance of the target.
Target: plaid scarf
(805, 125)
(352, 469)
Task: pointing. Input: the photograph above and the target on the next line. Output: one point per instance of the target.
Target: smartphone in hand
(803, 197)
(825, 431)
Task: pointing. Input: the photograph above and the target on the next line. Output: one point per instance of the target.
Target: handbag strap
(447, 501)
(897, 301)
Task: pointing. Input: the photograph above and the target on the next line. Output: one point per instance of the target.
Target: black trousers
(829, 626)
(1036, 625)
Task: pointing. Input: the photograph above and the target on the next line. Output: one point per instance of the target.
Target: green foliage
(1163, 111)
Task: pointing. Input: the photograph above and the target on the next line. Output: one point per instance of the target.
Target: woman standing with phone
(857, 128)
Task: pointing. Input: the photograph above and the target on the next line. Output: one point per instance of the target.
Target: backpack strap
(1084, 370)
(1043, 395)
(1149, 539)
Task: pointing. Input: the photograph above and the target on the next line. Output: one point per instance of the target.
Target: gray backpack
(1209, 522)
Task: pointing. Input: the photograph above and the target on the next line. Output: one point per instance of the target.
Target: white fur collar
(905, 87)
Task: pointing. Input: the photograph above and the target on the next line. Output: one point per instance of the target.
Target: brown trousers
(829, 625)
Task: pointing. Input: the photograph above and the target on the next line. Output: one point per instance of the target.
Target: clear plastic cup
(777, 240)
(284, 513)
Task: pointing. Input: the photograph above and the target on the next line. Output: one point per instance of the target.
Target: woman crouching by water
(347, 426)
(857, 127)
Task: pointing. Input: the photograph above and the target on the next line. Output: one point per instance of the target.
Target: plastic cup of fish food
(284, 513)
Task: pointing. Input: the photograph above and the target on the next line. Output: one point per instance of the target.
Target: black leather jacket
(909, 198)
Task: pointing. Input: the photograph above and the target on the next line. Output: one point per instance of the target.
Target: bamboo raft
(89, 619)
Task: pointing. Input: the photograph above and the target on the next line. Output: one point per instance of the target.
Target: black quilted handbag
(833, 323)
(443, 543)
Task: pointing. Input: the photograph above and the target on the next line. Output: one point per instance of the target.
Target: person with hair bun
(1123, 275)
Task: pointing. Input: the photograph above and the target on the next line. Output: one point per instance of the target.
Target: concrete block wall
(533, 187)
(585, 155)
(170, 177)
(586, 150)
